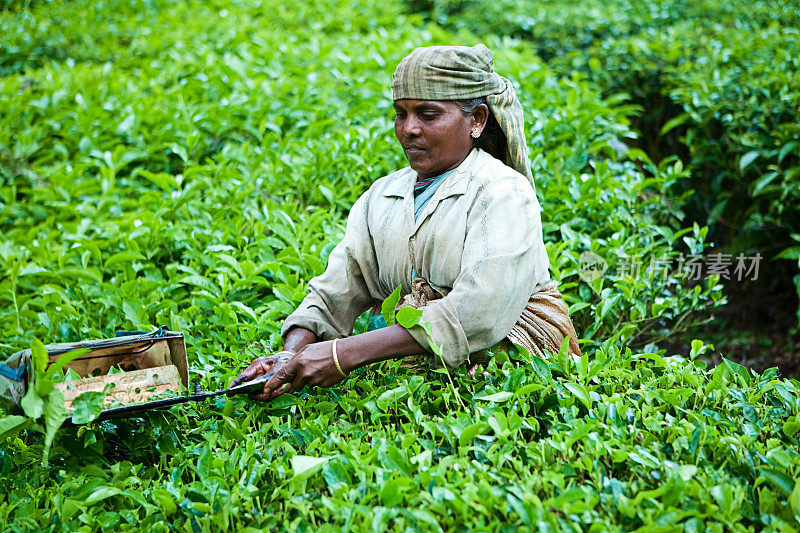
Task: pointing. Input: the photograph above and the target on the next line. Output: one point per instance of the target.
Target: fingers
(248, 374)
(312, 365)
(295, 386)
(258, 367)
(277, 385)
(241, 378)
(289, 379)
(261, 397)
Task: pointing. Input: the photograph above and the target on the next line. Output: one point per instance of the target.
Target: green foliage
(87, 406)
(409, 317)
(619, 439)
(191, 165)
(599, 196)
(737, 92)
(221, 173)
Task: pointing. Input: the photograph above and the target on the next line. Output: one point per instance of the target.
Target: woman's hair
(492, 139)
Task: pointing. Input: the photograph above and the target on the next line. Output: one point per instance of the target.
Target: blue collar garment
(424, 191)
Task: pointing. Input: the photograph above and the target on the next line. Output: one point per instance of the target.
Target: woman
(459, 230)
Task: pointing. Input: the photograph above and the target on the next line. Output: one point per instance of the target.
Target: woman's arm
(298, 338)
(348, 286)
(336, 298)
(313, 363)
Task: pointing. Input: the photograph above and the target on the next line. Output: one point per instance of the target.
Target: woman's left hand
(311, 365)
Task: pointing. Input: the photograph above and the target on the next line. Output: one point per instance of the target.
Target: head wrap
(462, 73)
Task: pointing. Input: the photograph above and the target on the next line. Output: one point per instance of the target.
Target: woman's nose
(411, 126)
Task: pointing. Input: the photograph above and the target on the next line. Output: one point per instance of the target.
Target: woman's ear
(480, 116)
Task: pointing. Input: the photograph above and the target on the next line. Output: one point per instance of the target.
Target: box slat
(135, 386)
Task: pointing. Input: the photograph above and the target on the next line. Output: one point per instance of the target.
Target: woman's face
(435, 134)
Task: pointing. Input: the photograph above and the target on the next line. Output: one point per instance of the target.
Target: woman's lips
(413, 150)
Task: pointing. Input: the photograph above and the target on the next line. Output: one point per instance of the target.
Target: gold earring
(476, 133)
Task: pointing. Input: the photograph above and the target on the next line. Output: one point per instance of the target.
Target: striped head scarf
(461, 73)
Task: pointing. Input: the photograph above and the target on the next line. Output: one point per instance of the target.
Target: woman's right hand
(262, 366)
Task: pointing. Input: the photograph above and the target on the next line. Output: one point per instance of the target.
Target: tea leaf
(497, 397)
(580, 392)
(87, 406)
(794, 500)
(32, 404)
(12, 425)
(305, 466)
(388, 306)
(54, 415)
(409, 317)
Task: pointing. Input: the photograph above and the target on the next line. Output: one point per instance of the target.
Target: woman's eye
(428, 116)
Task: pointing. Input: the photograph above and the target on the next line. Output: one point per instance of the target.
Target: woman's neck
(429, 175)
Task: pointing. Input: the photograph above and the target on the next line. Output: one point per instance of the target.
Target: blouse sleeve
(338, 296)
(503, 260)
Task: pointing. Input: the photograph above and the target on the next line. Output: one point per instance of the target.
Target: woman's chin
(416, 159)
(423, 168)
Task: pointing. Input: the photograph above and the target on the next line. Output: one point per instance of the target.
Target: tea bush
(191, 165)
(613, 442)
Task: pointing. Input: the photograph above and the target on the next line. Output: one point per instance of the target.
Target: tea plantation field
(191, 165)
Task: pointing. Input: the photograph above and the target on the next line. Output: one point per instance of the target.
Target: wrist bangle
(284, 351)
(336, 358)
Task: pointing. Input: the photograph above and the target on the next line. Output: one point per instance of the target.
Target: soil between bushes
(758, 328)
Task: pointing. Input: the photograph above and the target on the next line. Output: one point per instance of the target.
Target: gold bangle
(336, 358)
